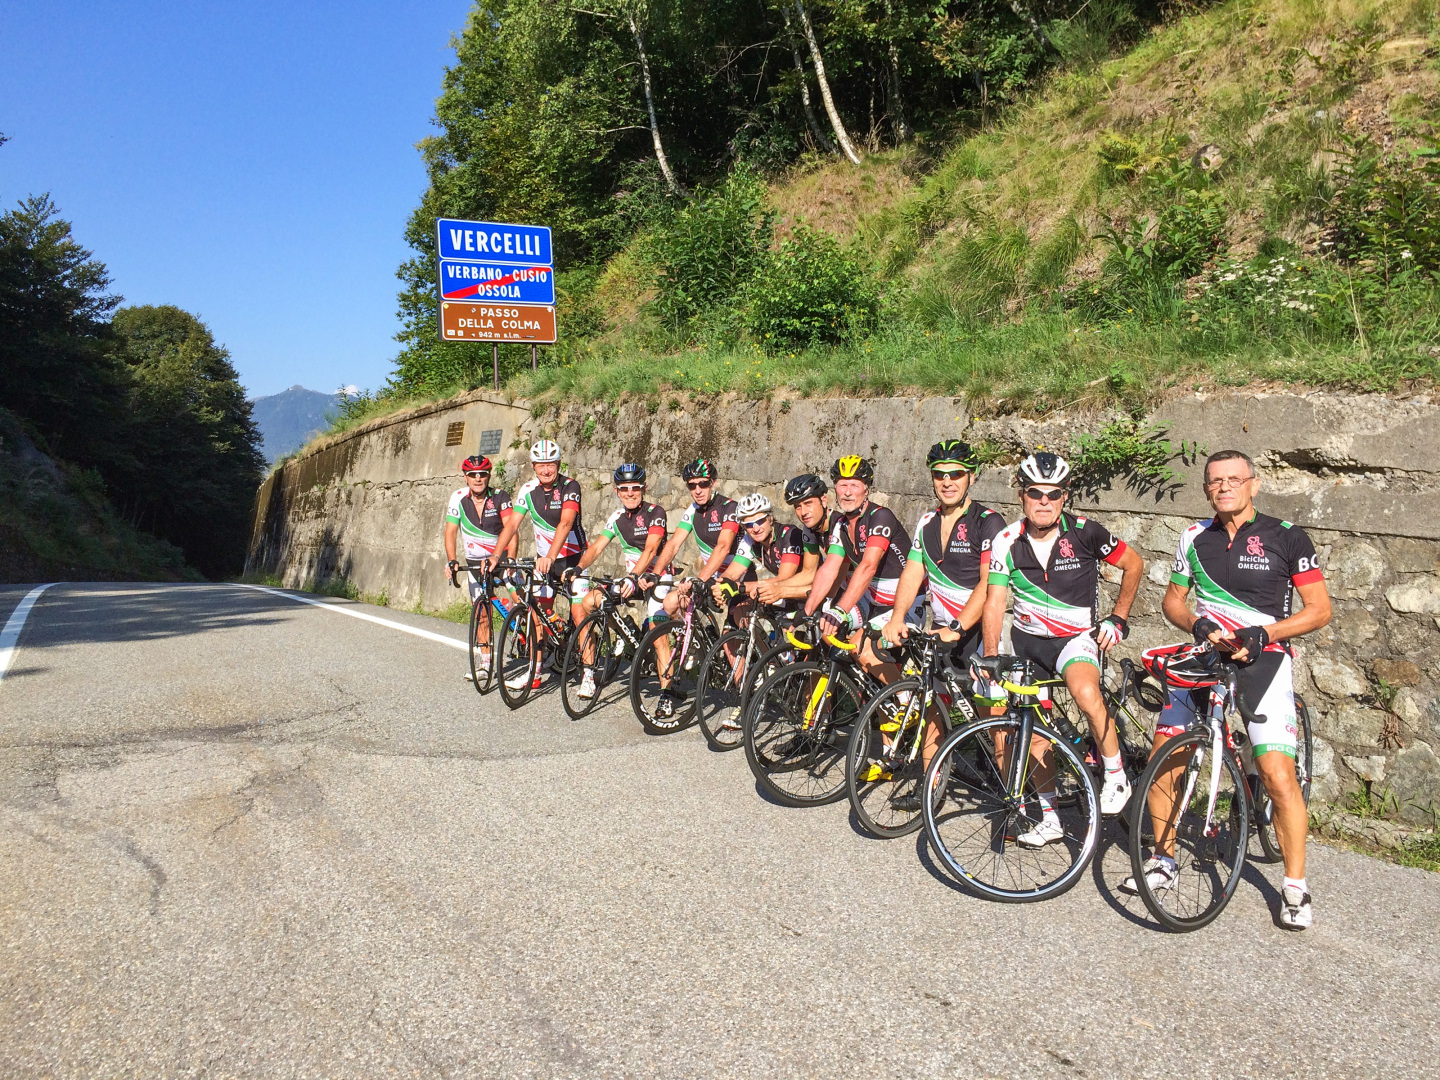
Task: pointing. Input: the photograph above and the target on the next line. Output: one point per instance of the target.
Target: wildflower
(1406, 255)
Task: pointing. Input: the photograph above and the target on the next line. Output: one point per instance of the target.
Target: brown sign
(461, 321)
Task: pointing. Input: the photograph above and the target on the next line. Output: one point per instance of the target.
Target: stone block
(1371, 767)
(1353, 570)
(1356, 626)
(1158, 571)
(1164, 538)
(1322, 757)
(1404, 706)
(1351, 725)
(1411, 556)
(1396, 672)
(1338, 678)
(1415, 782)
(1417, 595)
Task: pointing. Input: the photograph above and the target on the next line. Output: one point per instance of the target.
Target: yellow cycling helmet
(852, 467)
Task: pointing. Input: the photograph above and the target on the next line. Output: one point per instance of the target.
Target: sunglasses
(477, 475)
(1045, 494)
(948, 474)
(757, 523)
(695, 484)
(626, 489)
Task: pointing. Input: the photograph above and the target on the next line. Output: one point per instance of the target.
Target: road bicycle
(668, 663)
(984, 822)
(600, 642)
(485, 606)
(720, 690)
(885, 766)
(797, 724)
(1199, 794)
(527, 634)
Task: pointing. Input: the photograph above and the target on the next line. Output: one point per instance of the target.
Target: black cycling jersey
(544, 509)
(708, 522)
(875, 525)
(953, 565)
(786, 545)
(1245, 581)
(1061, 597)
(633, 528)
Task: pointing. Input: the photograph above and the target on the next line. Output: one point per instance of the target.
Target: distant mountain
(288, 419)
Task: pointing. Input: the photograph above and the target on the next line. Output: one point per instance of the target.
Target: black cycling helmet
(1043, 467)
(699, 468)
(479, 463)
(805, 486)
(853, 467)
(630, 473)
(953, 452)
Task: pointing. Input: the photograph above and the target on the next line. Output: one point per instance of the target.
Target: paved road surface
(247, 837)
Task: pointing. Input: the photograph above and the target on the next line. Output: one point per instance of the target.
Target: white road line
(11, 634)
(427, 634)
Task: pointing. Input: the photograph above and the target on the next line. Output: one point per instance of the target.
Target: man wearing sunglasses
(1243, 566)
(477, 515)
(1050, 561)
(781, 549)
(640, 528)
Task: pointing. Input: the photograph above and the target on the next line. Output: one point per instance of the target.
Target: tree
(841, 135)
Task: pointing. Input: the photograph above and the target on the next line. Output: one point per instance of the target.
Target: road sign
(516, 282)
(497, 322)
(478, 241)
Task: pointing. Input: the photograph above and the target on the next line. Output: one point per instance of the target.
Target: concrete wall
(1358, 471)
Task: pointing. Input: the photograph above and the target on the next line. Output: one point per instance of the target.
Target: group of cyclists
(850, 568)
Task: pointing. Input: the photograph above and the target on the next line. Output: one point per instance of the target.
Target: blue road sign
(516, 282)
(479, 241)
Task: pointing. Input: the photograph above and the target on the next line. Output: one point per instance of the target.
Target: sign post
(495, 282)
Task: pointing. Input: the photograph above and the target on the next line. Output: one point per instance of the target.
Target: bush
(706, 253)
(1387, 209)
(811, 293)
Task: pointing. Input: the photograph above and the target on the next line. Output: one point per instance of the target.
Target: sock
(1295, 883)
(1047, 804)
(1112, 764)
(1167, 860)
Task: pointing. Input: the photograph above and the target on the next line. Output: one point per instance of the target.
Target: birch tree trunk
(841, 135)
(897, 104)
(675, 188)
(816, 131)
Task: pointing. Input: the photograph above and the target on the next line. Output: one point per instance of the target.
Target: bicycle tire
(483, 676)
(647, 672)
(770, 661)
(517, 649)
(796, 745)
(974, 829)
(1185, 907)
(1264, 808)
(572, 669)
(718, 699)
(874, 800)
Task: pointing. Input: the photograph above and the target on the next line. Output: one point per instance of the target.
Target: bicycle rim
(481, 674)
(884, 769)
(1208, 859)
(718, 695)
(517, 654)
(975, 829)
(651, 675)
(797, 733)
(572, 671)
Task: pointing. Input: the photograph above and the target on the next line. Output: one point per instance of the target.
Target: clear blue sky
(251, 162)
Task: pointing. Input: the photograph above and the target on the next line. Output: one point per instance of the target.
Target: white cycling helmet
(1043, 467)
(751, 505)
(545, 450)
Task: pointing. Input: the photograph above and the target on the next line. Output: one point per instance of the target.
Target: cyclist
(478, 514)
(809, 496)
(790, 552)
(1242, 565)
(552, 503)
(1050, 561)
(640, 528)
(867, 540)
(710, 518)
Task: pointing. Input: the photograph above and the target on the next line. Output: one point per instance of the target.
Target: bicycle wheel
(975, 829)
(1264, 808)
(657, 679)
(518, 656)
(885, 768)
(482, 667)
(770, 661)
(1208, 858)
(797, 731)
(596, 632)
(718, 693)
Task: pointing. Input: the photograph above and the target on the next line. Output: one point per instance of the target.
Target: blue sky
(253, 163)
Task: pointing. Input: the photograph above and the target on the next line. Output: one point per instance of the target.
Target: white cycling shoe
(1295, 912)
(1159, 876)
(587, 685)
(1046, 832)
(1114, 794)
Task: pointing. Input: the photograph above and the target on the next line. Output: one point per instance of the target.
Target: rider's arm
(654, 541)
(911, 580)
(1132, 568)
(864, 572)
(825, 579)
(562, 535)
(1315, 613)
(452, 530)
(1175, 608)
(992, 618)
(507, 541)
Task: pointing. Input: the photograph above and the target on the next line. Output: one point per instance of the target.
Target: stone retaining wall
(1357, 471)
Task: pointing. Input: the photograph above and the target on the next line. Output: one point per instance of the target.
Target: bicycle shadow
(938, 872)
(1113, 850)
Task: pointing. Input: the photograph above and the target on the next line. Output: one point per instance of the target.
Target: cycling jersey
(707, 523)
(480, 524)
(1245, 581)
(875, 526)
(632, 528)
(786, 545)
(544, 508)
(954, 565)
(1059, 597)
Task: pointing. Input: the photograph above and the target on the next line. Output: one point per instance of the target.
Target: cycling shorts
(545, 590)
(877, 615)
(475, 586)
(1267, 688)
(1056, 654)
(655, 608)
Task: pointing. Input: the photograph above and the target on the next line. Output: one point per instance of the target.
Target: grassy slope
(976, 240)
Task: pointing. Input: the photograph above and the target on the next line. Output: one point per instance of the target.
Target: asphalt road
(244, 836)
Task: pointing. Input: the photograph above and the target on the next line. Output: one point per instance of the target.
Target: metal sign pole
(496, 360)
(534, 357)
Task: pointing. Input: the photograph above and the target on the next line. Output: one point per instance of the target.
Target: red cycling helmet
(1187, 665)
(477, 464)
